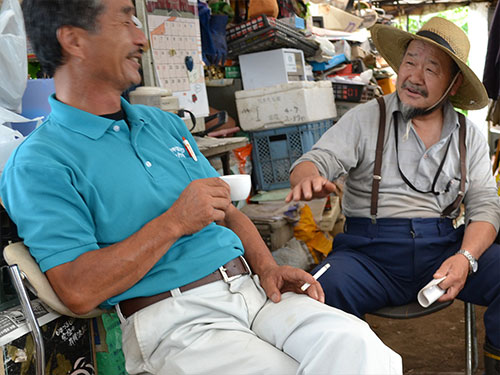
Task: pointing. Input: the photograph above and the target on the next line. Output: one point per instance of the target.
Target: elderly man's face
(423, 77)
(115, 49)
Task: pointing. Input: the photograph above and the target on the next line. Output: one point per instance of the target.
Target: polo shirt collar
(132, 116)
(86, 123)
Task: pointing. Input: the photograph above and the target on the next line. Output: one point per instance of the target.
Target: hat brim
(391, 43)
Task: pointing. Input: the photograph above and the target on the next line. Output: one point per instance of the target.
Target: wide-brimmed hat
(391, 43)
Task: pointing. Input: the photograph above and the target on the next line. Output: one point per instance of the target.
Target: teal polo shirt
(81, 182)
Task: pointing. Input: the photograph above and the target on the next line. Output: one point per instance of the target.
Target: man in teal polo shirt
(118, 213)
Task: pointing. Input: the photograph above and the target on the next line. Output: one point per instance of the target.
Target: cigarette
(316, 276)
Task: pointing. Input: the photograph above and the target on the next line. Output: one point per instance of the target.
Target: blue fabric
(387, 263)
(213, 35)
(82, 182)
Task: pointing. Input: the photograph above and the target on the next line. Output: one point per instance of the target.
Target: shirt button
(116, 128)
(148, 164)
(425, 156)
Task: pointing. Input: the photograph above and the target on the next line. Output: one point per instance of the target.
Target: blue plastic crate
(274, 151)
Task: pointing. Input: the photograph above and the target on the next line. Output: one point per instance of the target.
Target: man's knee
(339, 288)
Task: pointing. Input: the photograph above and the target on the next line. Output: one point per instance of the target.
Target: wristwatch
(471, 259)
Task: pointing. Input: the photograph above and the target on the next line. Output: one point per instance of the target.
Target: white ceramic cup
(430, 293)
(240, 185)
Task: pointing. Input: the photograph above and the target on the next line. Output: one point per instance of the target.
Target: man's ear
(457, 84)
(72, 41)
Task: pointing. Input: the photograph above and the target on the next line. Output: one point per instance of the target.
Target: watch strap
(472, 260)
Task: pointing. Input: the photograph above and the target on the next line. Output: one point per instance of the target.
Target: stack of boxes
(283, 113)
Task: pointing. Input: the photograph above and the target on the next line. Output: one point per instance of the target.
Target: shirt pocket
(196, 169)
(448, 187)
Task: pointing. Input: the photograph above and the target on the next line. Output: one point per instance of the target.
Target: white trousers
(232, 328)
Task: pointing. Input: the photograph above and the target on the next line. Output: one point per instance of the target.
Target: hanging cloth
(491, 76)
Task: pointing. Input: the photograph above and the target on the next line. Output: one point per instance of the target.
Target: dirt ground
(433, 344)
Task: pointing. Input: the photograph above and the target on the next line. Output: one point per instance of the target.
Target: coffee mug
(240, 185)
(430, 293)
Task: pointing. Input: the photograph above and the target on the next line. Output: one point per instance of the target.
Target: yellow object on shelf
(386, 85)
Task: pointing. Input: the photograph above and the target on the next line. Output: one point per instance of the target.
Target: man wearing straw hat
(119, 214)
(410, 161)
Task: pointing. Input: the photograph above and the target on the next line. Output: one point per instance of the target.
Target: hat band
(436, 38)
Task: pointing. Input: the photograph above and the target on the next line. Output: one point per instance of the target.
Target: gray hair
(44, 17)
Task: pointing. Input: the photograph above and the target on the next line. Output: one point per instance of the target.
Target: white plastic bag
(9, 140)
(13, 55)
(326, 49)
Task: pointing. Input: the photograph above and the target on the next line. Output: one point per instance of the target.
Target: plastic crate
(242, 29)
(368, 93)
(263, 33)
(275, 150)
(353, 92)
(348, 92)
(269, 39)
(260, 23)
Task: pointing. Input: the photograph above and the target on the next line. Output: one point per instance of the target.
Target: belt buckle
(225, 276)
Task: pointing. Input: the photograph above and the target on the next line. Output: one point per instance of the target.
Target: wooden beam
(424, 7)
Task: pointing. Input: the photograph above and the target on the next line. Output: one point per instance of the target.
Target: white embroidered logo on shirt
(178, 151)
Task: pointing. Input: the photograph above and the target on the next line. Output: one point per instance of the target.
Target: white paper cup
(240, 185)
(430, 293)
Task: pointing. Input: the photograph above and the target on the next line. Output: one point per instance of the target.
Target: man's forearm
(100, 274)
(478, 237)
(256, 252)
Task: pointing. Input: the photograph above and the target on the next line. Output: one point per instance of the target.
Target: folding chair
(26, 274)
(414, 310)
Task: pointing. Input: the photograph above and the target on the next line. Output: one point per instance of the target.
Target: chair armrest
(18, 253)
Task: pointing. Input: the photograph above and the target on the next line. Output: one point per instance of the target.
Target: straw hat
(392, 42)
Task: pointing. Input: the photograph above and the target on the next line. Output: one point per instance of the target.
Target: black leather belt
(235, 267)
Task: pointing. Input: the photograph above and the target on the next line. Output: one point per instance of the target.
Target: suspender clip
(377, 177)
(374, 219)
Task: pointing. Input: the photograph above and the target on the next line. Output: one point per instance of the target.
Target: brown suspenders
(377, 177)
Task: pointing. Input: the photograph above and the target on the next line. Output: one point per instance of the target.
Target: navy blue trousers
(387, 263)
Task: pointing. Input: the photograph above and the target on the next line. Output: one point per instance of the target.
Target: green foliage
(222, 7)
(457, 15)
(463, 111)
(33, 69)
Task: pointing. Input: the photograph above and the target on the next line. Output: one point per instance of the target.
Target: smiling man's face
(424, 75)
(116, 48)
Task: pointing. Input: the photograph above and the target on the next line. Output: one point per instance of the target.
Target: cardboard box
(335, 18)
(358, 52)
(286, 104)
(269, 68)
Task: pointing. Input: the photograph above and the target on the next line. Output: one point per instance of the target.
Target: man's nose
(140, 39)
(417, 76)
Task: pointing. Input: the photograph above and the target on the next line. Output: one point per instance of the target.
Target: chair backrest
(17, 253)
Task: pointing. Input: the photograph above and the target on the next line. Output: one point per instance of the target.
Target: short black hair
(43, 18)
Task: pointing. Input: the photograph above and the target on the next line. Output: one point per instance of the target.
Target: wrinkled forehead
(423, 49)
